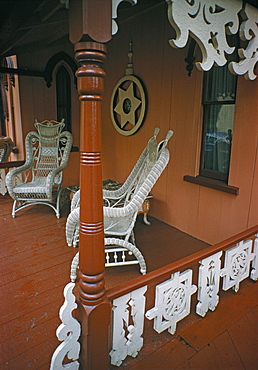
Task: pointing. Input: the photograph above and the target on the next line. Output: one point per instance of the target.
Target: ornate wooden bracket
(209, 22)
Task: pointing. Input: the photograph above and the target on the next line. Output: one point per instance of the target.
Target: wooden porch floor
(35, 267)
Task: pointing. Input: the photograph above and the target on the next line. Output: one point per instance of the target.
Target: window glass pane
(219, 94)
(217, 137)
(219, 85)
(63, 96)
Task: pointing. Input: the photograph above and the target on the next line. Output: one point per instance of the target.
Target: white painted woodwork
(207, 25)
(208, 284)
(172, 301)
(254, 271)
(173, 297)
(237, 265)
(126, 309)
(115, 4)
(3, 188)
(249, 56)
(68, 332)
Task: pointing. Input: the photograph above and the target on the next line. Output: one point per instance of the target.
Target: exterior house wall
(174, 102)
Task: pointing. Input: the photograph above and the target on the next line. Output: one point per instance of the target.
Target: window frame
(213, 174)
(67, 102)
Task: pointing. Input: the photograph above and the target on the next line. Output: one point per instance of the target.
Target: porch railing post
(93, 309)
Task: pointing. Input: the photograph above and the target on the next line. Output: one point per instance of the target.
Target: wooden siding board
(209, 216)
(252, 220)
(175, 100)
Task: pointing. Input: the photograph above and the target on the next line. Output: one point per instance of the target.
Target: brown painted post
(94, 308)
(90, 27)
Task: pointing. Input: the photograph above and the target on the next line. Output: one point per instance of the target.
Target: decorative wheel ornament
(237, 265)
(174, 301)
(128, 105)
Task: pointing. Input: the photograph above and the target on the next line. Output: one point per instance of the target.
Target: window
(219, 94)
(63, 96)
(10, 112)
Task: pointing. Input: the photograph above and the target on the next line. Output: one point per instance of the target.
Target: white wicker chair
(119, 220)
(39, 180)
(121, 195)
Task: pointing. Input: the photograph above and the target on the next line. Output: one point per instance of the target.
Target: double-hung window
(219, 95)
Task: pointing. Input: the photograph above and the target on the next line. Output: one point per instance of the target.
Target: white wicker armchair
(119, 220)
(122, 194)
(39, 180)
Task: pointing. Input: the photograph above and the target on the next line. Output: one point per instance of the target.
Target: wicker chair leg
(14, 209)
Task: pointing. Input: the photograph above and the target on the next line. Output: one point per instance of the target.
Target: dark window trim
(63, 96)
(59, 57)
(212, 183)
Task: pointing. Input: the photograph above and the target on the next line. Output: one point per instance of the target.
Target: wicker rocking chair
(39, 180)
(119, 219)
(119, 196)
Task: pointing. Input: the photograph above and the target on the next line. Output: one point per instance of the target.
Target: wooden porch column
(94, 308)
(89, 28)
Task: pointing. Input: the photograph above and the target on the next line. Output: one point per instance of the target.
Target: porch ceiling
(27, 25)
(31, 24)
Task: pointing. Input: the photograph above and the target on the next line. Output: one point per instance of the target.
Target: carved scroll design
(68, 332)
(172, 301)
(127, 338)
(237, 265)
(115, 4)
(208, 284)
(207, 22)
(173, 297)
(248, 56)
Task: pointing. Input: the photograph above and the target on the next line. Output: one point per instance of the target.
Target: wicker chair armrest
(51, 176)
(72, 223)
(135, 204)
(12, 174)
(76, 200)
(118, 193)
(16, 171)
(51, 180)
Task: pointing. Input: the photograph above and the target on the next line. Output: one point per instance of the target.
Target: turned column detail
(94, 309)
(90, 77)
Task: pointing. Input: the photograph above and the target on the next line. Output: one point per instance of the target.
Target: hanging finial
(129, 69)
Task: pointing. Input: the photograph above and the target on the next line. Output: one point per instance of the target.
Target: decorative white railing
(68, 332)
(173, 294)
